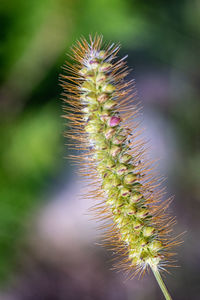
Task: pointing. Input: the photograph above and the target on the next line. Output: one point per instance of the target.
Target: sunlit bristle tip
(103, 124)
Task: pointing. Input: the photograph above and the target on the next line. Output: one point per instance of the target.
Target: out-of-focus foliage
(162, 40)
(29, 154)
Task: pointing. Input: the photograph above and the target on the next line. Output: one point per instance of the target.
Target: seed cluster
(103, 124)
(120, 180)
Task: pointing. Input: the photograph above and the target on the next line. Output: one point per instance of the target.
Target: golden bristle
(93, 61)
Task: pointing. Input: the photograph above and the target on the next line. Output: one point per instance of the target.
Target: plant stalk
(161, 283)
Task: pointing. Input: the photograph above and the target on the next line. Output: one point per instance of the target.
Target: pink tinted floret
(114, 121)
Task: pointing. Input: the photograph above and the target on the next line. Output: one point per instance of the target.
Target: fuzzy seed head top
(103, 124)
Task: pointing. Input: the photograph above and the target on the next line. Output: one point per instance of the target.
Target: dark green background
(160, 37)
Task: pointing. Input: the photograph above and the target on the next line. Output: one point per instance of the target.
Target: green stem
(161, 283)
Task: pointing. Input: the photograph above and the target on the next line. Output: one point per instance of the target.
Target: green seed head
(143, 242)
(108, 88)
(104, 116)
(103, 97)
(100, 78)
(102, 93)
(119, 139)
(135, 197)
(105, 67)
(115, 150)
(110, 104)
(137, 225)
(116, 181)
(125, 158)
(90, 97)
(88, 87)
(155, 246)
(121, 169)
(131, 210)
(102, 54)
(142, 212)
(125, 192)
(109, 132)
(148, 231)
(130, 178)
(83, 71)
(109, 163)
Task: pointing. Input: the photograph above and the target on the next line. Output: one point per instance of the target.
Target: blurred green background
(162, 39)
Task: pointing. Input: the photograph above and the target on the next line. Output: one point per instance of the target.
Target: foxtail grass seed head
(102, 120)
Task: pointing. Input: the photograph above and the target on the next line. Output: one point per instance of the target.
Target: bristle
(103, 123)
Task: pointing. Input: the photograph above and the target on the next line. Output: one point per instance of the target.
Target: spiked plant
(103, 124)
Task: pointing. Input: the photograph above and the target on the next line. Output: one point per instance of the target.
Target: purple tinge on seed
(114, 121)
(93, 61)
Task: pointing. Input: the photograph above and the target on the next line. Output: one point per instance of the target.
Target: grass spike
(103, 126)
